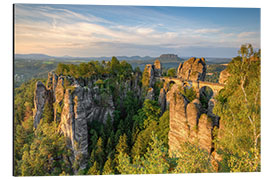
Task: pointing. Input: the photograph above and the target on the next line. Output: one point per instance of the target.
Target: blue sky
(82, 30)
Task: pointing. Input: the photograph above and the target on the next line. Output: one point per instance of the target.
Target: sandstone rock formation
(40, 98)
(179, 130)
(162, 100)
(224, 75)
(192, 69)
(149, 68)
(188, 123)
(76, 103)
(153, 71)
(157, 68)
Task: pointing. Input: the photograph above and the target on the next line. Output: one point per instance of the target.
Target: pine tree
(99, 152)
(94, 170)
(48, 112)
(121, 147)
(153, 162)
(155, 158)
(122, 144)
(108, 167)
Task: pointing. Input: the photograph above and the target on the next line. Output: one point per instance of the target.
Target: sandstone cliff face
(224, 75)
(151, 74)
(179, 130)
(188, 123)
(76, 103)
(157, 68)
(162, 101)
(153, 71)
(40, 98)
(192, 69)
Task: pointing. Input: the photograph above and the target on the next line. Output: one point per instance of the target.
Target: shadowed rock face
(151, 74)
(40, 98)
(162, 100)
(192, 69)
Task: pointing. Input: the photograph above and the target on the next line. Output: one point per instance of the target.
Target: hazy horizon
(97, 31)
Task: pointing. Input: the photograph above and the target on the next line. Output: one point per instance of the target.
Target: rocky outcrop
(162, 100)
(223, 77)
(152, 72)
(149, 68)
(157, 68)
(215, 118)
(205, 132)
(40, 98)
(192, 69)
(150, 94)
(193, 113)
(179, 130)
(76, 103)
(188, 122)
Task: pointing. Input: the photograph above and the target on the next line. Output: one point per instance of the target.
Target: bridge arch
(205, 94)
(171, 82)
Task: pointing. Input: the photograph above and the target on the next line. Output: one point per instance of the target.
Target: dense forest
(135, 139)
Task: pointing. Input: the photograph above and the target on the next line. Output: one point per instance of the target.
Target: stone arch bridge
(197, 85)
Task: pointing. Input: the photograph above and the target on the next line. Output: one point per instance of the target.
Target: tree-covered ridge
(239, 108)
(113, 68)
(135, 139)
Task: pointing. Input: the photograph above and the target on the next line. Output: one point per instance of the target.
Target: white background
(6, 94)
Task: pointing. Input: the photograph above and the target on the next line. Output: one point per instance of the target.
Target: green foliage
(163, 127)
(157, 86)
(26, 70)
(192, 159)
(146, 121)
(206, 94)
(122, 144)
(171, 72)
(145, 78)
(93, 170)
(152, 112)
(143, 139)
(99, 152)
(112, 68)
(47, 112)
(215, 69)
(244, 162)
(188, 92)
(108, 167)
(153, 162)
(239, 108)
(23, 121)
(47, 153)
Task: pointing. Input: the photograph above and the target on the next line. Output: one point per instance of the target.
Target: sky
(93, 31)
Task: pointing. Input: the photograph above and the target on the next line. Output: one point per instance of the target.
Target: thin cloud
(246, 34)
(56, 30)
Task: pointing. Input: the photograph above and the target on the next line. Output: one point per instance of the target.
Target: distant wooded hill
(145, 59)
